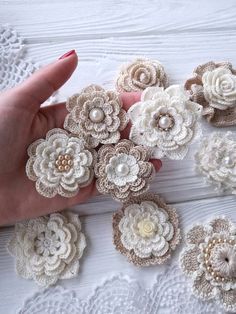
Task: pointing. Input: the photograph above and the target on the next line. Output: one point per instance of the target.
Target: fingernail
(67, 54)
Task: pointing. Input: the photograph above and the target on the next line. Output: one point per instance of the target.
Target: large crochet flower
(123, 170)
(96, 115)
(210, 260)
(48, 248)
(214, 87)
(60, 164)
(216, 160)
(140, 74)
(146, 230)
(166, 121)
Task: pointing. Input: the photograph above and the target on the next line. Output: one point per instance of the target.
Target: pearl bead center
(165, 122)
(64, 163)
(228, 161)
(122, 170)
(96, 115)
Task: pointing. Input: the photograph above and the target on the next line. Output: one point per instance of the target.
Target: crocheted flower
(216, 160)
(140, 74)
(96, 115)
(48, 248)
(214, 87)
(60, 164)
(123, 170)
(146, 230)
(166, 121)
(209, 259)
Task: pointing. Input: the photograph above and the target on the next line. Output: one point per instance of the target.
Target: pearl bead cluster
(165, 122)
(207, 256)
(64, 162)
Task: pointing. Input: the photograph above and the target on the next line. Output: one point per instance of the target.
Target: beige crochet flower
(146, 230)
(96, 115)
(123, 170)
(209, 259)
(48, 248)
(214, 87)
(140, 74)
(60, 164)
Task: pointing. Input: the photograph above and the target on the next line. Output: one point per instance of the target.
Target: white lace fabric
(169, 293)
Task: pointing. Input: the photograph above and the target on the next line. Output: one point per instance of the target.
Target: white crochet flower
(216, 160)
(146, 229)
(166, 121)
(60, 164)
(219, 87)
(209, 259)
(48, 248)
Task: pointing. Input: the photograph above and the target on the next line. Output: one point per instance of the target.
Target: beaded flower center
(146, 228)
(164, 122)
(219, 259)
(64, 163)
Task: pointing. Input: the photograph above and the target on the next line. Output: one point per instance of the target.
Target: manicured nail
(67, 54)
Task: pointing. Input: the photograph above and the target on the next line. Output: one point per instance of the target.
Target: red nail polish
(67, 54)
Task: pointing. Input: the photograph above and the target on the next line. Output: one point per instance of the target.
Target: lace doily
(170, 293)
(14, 66)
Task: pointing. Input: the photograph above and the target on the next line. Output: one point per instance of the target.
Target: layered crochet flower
(209, 259)
(96, 115)
(146, 230)
(166, 121)
(216, 160)
(60, 164)
(140, 74)
(214, 87)
(48, 248)
(123, 170)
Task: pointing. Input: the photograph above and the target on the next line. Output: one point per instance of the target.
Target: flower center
(122, 170)
(64, 163)
(164, 122)
(96, 115)
(228, 161)
(146, 228)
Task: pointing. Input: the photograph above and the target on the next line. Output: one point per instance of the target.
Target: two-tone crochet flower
(60, 164)
(216, 160)
(123, 170)
(146, 230)
(96, 115)
(214, 87)
(165, 121)
(140, 74)
(209, 259)
(48, 248)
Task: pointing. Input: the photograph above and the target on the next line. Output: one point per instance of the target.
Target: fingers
(43, 83)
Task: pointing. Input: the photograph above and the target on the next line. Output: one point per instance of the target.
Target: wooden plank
(101, 259)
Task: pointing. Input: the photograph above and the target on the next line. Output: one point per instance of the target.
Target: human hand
(22, 121)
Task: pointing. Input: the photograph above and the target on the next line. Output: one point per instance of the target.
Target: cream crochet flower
(140, 74)
(96, 115)
(216, 160)
(209, 259)
(48, 248)
(60, 164)
(214, 87)
(166, 121)
(146, 230)
(123, 170)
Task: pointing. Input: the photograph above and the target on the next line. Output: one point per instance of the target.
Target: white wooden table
(181, 34)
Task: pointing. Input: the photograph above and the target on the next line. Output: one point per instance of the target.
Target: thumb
(43, 83)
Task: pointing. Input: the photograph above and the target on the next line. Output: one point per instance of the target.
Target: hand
(22, 121)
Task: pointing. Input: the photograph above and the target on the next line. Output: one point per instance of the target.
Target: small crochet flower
(140, 74)
(60, 164)
(166, 121)
(216, 160)
(214, 87)
(96, 115)
(146, 230)
(123, 170)
(209, 259)
(48, 248)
